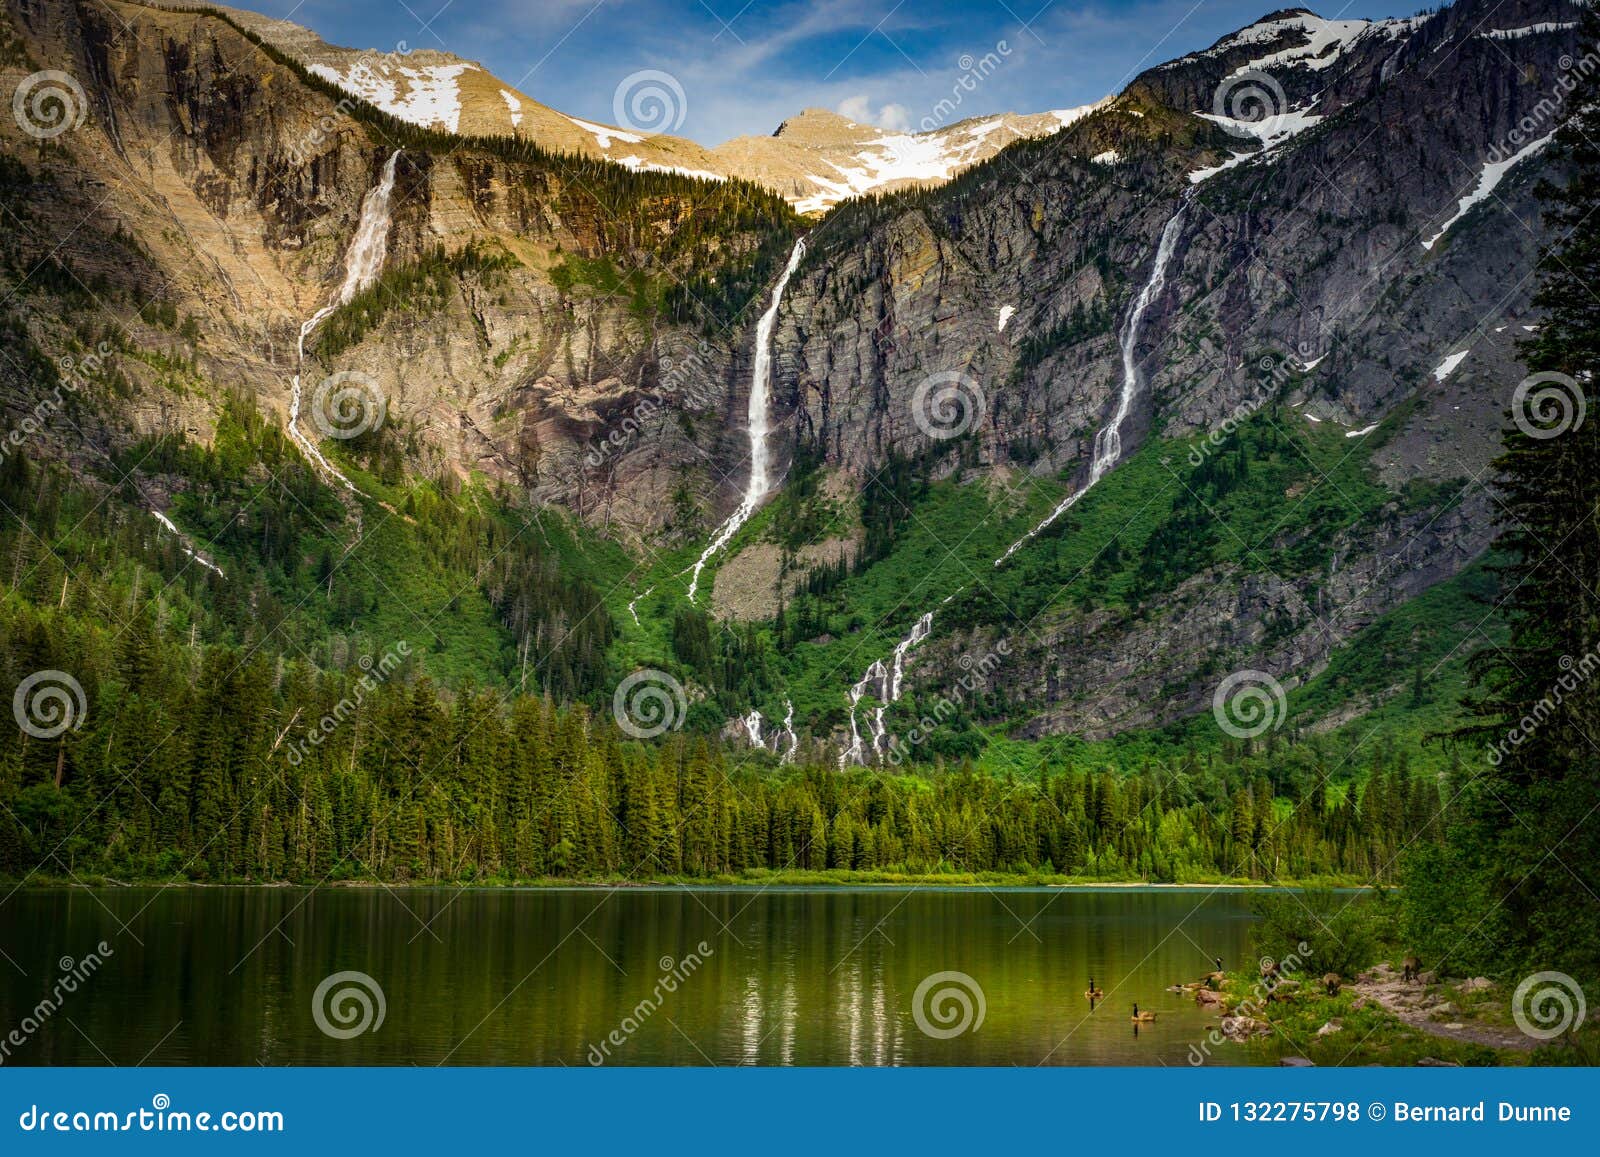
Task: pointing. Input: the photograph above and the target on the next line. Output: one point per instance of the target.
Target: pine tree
(1526, 847)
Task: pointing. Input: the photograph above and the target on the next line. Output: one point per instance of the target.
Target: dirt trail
(1431, 1008)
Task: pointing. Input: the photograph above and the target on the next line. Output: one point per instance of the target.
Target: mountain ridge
(576, 340)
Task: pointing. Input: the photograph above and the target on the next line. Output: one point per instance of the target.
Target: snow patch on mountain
(640, 165)
(1493, 173)
(1529, 30)
(431, 96)
(1447, 367)
(513, 104)
(605, 134)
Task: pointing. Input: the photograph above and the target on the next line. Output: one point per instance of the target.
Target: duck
(1093, 992)
(1141, 1017)
(1216, 978)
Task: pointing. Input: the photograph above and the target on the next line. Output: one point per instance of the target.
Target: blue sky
(744, 66)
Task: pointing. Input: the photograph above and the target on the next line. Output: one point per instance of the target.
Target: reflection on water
(544, 977)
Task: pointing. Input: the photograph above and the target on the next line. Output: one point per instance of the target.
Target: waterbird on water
(1141, 1017)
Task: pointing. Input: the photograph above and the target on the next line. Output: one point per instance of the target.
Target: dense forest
(216, 764)
(1515, 885)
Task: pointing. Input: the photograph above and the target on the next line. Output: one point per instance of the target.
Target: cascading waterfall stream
(760, 392)
(363, 261)
(1108, 442)
(1107, 452)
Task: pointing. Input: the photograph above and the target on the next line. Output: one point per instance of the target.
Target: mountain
(1107, 404)
(814, 160)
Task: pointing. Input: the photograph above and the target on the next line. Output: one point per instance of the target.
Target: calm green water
(801, 977)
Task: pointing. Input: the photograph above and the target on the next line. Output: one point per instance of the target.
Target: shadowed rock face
(212, 176)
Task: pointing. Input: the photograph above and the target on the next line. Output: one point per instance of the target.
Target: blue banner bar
(803, 1111)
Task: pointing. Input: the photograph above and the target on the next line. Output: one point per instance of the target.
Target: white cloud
(858, 108)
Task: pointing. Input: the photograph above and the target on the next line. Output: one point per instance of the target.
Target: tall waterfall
(363, 261)
(760, 391)
(1108, 442)
(886, 682)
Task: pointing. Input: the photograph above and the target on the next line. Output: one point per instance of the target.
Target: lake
(633, 976)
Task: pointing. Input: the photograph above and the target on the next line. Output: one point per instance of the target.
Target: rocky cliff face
(207, 176)
(1323, 262)
(1360, 254)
